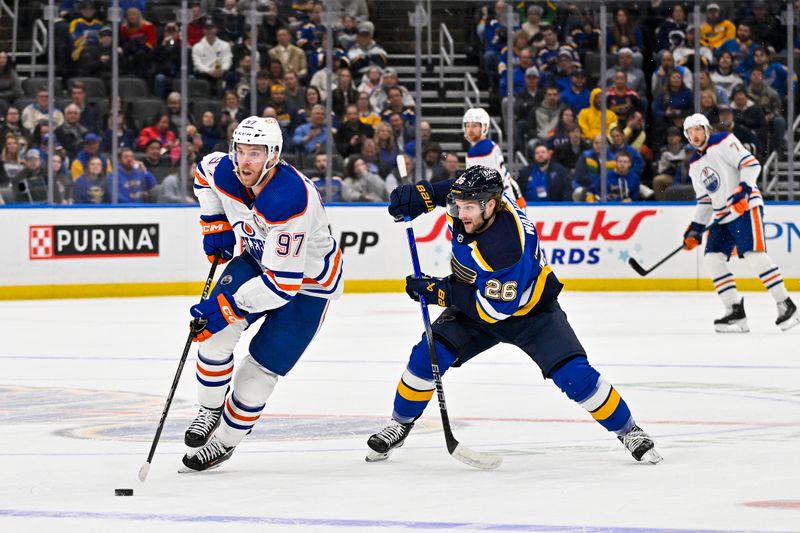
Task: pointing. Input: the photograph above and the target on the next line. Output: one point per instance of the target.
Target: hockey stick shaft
(454, 448)
(645, 271)
(146, 466)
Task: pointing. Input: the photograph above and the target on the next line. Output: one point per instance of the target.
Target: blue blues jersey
(502, 271)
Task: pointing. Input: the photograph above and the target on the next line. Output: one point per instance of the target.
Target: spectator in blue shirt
(313, 134)
(545, 180)
(136, 183)
(91, 187)
(623, 182)
(577, 96)
(525, 62)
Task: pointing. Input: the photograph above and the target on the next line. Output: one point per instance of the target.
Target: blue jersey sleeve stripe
(274, 289)
(286, 274)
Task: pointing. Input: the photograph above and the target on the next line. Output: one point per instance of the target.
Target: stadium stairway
(443, 109)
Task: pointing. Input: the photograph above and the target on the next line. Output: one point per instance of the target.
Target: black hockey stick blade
(637, 267)
(643, 271)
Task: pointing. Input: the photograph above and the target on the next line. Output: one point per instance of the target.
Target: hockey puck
(123, 492)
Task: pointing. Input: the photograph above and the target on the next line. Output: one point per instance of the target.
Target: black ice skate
(734, 322)
(788, 316)
(209, 456)
(384, 442)
(202, 427)
(640, 445)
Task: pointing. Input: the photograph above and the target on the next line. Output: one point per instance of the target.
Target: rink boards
(141, 251)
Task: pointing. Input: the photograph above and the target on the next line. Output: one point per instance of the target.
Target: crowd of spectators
(649, 89)
(372, 115)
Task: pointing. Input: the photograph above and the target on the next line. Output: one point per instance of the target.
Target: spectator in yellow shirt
(715, 30)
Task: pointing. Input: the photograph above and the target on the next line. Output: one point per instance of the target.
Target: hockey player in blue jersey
(501, 290)
(289, 270)
(724, 175)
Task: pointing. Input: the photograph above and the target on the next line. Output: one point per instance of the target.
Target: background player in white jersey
(485, 152)
(724, 177)
(289, 269)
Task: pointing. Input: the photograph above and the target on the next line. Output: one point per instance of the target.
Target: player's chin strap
(266, 171)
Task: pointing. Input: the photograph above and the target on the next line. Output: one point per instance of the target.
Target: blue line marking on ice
(341, 522)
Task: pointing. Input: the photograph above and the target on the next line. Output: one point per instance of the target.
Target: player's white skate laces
(199, 431)
(640, 445)
(788, 316)
(209, 456)
(384, 442)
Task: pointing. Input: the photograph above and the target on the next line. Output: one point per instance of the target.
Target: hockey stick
(145, 469)
(645, 271)
(456, 449)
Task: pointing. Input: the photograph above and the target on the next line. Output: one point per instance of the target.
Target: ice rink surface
(82, 385)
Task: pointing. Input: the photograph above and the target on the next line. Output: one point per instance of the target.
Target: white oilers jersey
(486, 153)
(284, 227)
(716, 172)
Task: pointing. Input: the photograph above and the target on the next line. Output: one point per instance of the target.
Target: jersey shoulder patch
(717, 138)
(285, 197)
(500, 246)
(481, 148)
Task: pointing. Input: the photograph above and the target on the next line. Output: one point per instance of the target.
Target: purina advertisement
(68, 252)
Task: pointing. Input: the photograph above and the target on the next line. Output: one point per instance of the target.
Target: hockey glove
(433, 289)
(218, 235)
(412, 200)
(740, 201)
(693, 235)
(213, 315)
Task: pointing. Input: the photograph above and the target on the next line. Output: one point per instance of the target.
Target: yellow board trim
(608, 408)
(413, 395)
(192, 288)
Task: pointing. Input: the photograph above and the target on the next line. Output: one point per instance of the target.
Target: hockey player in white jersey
(485, 152)
(724, 176)
(289, 269)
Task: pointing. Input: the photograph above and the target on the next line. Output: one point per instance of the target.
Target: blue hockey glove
(693, 235)
(740, 201)
(412, 200)
(213, 315)
(218, 235)
(433, 289)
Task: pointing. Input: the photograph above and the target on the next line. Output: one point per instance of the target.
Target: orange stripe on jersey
(748, 161)
(213, 374)
(237, 416)
(282, 286)
(200, 179)
(335, 269)
(229, 195)
(758, 233)
(774, 276)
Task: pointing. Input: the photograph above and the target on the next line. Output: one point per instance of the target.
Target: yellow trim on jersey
(413, 395)
(476, 254)
(609, 407)
(513, 210)
(482, 313)
(537, 292)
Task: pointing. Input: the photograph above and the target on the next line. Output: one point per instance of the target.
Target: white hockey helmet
(259, 131)
(698, 119)
(479, 115)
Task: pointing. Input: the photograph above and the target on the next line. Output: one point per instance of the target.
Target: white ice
(82, 385)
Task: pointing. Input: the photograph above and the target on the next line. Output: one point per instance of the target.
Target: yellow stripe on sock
(608, 408)
(413, 395)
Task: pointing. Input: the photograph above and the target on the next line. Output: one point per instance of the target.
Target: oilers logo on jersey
(711, 179)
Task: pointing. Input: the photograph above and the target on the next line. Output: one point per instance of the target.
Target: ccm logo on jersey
(100, 240)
